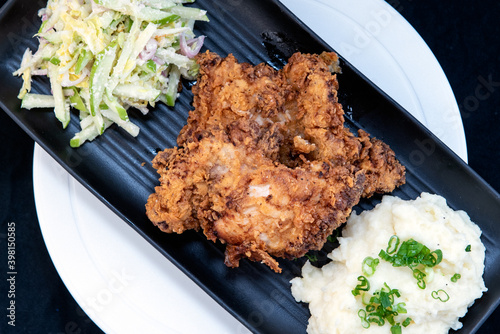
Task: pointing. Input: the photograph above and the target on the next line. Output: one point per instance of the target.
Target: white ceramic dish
(123, 283)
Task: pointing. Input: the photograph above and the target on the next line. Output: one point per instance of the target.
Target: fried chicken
(265, 164)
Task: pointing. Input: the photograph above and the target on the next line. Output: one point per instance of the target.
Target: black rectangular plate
(255, 31)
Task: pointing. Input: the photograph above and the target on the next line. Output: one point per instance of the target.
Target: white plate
(123, 283)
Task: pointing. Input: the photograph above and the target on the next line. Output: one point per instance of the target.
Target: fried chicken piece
(234, 97)
(265, 164)
(242, 198)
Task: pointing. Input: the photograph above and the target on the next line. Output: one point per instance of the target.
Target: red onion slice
(149, 50)
(185, 46)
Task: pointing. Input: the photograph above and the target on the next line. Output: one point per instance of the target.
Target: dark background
(463, 35)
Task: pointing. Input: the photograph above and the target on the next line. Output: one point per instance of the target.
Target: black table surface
(463, 35)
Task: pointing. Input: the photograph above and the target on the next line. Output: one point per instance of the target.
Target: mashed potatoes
(428, 220)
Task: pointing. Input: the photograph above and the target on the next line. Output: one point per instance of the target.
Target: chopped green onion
(364, 321)
(365, 299)
(385, 299)
(433, 258)
(376, 318)
(411, 254)
(370, 307)
(400, 308)
(393, 245)
(436, 295)
(363, 285)
(406, 322)
(369, 265)
(420, 277)
(396, 329)
(382, 307)
(455, 277)
(467, 249)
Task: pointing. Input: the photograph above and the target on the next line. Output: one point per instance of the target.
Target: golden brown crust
(265, 164)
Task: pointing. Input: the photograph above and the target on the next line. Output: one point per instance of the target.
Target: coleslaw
(104, 56)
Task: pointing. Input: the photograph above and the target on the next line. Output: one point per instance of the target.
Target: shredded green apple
(104, 56)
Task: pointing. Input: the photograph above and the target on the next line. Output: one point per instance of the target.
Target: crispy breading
(265, 164)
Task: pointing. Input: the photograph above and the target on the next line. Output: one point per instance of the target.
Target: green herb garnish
(467, 249)
(362, 316)
(396, 329)
(406, 322)
(393, 245)
(363, 285)
(441, 295)
(382, 308)
(411, 254)
(455, 277)
(369, 265)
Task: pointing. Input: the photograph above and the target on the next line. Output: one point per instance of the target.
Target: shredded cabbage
(104, 56)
